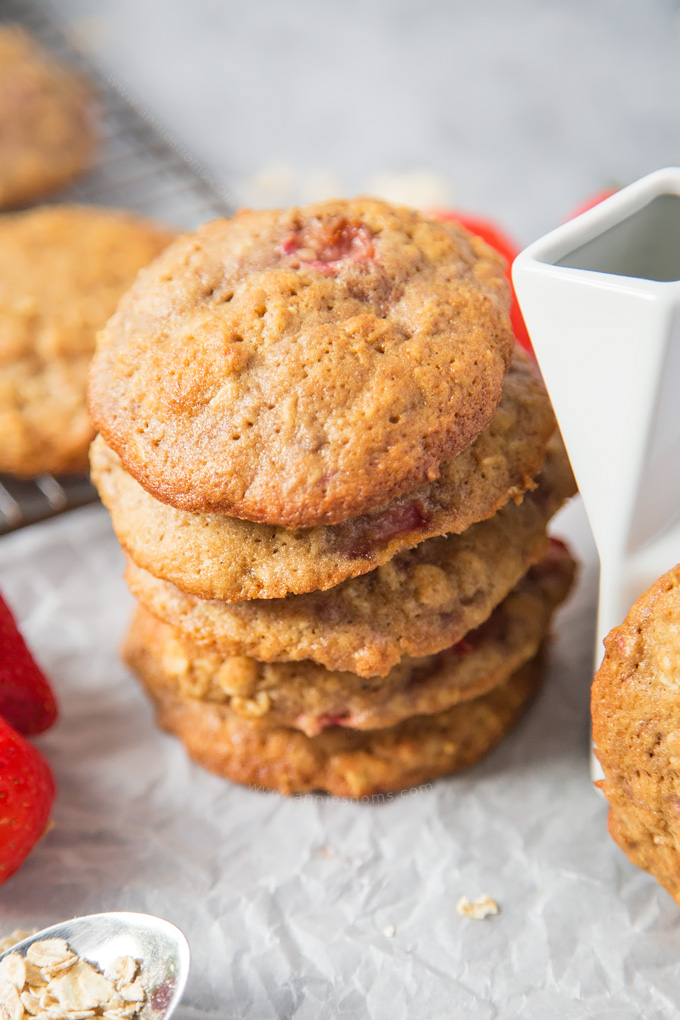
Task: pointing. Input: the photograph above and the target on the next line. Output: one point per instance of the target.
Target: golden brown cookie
(214, 556)
(46, 120)
(344, 762)
(423, 600)
(636, 728)
(62, 271)
(308, 697)
(303, 367)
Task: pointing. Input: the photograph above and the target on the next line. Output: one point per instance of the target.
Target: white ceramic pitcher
(601, 300)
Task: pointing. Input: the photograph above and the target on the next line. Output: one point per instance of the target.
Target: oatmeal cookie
(220, 557)
(422, 601)
(344, 762)
(305, 696)
(46, 120)
(636, 728)
(62, 271)
(299, 368)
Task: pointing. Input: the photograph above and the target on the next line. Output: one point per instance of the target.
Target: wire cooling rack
(141, 167)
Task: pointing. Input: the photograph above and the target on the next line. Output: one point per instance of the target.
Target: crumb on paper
(477, 909)
(53, 981)
(389, 931)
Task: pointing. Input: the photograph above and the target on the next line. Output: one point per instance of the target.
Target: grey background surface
(521, 109)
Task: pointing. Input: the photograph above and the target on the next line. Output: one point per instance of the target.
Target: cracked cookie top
(303, 367)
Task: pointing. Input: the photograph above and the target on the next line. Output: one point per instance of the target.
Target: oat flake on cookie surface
(303, 367)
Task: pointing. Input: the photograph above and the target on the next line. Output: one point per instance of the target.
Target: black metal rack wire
(141, 167)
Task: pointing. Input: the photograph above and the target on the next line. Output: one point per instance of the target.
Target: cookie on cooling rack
(304, 367)
(62, 272)
(636, 728)
(46, 121)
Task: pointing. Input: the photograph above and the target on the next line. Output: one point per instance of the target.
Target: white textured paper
(313, 908)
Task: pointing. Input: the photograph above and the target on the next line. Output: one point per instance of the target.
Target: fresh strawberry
(508, 249)
(26, 698)
(26, 795)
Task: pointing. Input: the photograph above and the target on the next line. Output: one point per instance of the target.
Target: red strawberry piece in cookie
(464, 646)
(325, 246)
(313, 725)
(555, 554)
(26, 698)
(379, 530)
(26, 794)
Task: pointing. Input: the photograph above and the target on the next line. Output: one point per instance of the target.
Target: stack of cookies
(331, 471)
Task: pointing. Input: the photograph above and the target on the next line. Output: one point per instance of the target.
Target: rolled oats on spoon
(118, 966)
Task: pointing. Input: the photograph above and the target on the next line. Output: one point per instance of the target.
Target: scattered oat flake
(477, 909)
(389, 931)
(53, 983)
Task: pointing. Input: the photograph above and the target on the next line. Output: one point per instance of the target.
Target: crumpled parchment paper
(315, 908)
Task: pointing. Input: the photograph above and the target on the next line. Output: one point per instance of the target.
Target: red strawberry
(26, 698)
(26, 795)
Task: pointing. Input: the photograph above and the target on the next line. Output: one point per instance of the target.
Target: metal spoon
(160, 947)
